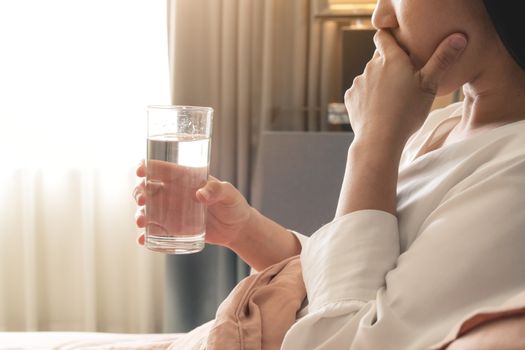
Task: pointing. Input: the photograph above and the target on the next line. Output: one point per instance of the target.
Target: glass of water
(178, 156)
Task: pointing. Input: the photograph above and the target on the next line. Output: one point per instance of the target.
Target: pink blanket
(260, 310)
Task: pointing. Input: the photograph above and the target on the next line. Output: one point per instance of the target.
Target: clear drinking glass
(178, 156)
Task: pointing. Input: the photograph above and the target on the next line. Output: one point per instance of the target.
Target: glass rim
(181, 107)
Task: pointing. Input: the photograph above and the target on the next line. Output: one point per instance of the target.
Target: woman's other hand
(228, 210)
(387, 104)
(391, 99)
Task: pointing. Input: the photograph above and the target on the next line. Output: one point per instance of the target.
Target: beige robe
(456, 245)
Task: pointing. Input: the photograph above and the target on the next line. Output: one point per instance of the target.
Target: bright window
(76, 77)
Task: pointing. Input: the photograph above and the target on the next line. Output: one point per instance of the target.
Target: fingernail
(458, 42)
(205, 193)
(140, 239)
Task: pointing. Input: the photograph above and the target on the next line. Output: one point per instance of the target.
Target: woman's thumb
(210, 193)
(217, 191)
(446, 54)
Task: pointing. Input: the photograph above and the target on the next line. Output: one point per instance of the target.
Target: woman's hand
(387, 104)
(228, 210)
(391, 99)
(233, 223)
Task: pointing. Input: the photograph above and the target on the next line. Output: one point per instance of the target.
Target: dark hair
(507, 17)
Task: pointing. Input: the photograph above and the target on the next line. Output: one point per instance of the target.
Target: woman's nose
(384, 16)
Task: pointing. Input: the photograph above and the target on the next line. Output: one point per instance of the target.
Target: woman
(430, 223)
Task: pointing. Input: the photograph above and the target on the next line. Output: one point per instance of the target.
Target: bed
(194, 340)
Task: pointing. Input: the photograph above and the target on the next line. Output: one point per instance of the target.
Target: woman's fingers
(140, 239)
(386, 45)
(446, 54)
(141, 169)
(140, 217)
(140, 198)
(139, 193)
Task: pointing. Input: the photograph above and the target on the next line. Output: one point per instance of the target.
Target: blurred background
(75, 79)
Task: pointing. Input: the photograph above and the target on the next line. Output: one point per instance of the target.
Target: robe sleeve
(344, 264)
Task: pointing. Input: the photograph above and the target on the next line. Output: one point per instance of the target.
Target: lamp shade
(345, 8)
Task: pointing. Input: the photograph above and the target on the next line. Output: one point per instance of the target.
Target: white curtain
(250, 61)
(75, 79)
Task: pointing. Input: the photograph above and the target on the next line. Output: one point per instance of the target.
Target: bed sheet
(194, 340)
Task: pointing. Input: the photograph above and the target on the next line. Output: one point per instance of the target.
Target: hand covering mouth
(401, 45)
